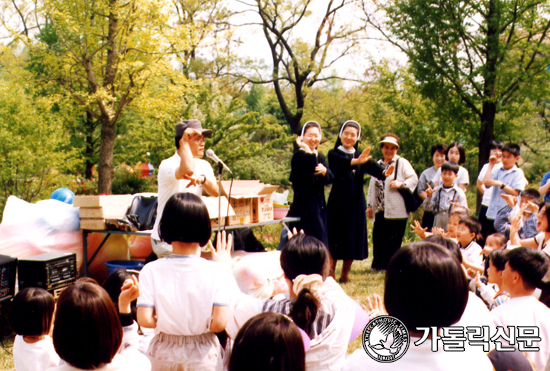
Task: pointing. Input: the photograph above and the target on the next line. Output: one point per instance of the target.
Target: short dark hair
(446, 243)
(178, 139)
(425, 286)
(87, 331)
(185, 219)
(498, 259)
(531, 265)
(450, 166)
(304, 254)
(473, 225)
(31, 312)
(439, 147)
(268, 341)
(531, 193)
(495, 144)
(512, 148)
(461, 151)
(501, 239)
(113, 286)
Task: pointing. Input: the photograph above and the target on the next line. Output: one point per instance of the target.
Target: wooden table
(109, 232)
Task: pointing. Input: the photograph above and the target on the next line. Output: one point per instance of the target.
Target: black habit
(309, 194)
(347, 219)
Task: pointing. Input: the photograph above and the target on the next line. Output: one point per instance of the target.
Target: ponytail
(304, 311)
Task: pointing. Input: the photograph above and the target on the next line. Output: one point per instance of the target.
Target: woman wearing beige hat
(386, 205)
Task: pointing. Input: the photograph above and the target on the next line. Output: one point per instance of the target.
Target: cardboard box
(251, 200)
(212, 206)
(106, 200)
(97, 224)
(102, 212)
(262, 206)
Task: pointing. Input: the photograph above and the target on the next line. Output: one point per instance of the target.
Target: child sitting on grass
(493, 295)
(528, 220)
(31, 318)
(466, 234)
(457, 213)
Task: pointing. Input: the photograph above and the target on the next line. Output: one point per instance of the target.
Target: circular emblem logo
(386, 339)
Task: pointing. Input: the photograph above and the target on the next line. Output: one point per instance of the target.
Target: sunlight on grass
(6, 359)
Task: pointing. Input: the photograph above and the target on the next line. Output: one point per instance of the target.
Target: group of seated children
(510, 272)
(195, 306)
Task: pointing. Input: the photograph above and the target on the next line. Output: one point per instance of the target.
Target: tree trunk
(105, 170)
(489, 109)
(89, 145)
(107, 145)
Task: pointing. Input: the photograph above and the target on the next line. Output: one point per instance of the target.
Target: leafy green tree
(108, 53)
(298, 64)
(35, 147)
(490, 55)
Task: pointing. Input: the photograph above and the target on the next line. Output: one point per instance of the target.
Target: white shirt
(130, 361)
(488, 190)
(328, 349)
(183, 290)
(168, 184)
(527, 311)
(472, 253)
(421, 357)
(461, 178)
(34, 357)
(476, 314)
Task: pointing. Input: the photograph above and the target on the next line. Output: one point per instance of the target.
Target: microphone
(212, 155)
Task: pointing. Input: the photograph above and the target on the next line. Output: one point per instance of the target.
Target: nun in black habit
(309, 175)
(347, 220)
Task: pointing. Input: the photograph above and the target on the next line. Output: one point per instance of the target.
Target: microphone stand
(220, 189)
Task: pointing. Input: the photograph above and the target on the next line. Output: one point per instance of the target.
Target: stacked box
(212, 206)
(95, 209)
(251, 200)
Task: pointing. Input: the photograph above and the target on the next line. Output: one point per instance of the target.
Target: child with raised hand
(457, 154)
(317, 304)
(88, 334)
(509, 179)
(183, 296)
(425, 287)
(30, 317)
(444, 197)
(493, 296)
(457, 213)
(528, 221)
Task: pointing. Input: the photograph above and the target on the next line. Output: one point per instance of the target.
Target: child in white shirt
(183, 296)
(466, 234)
(30, 318)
